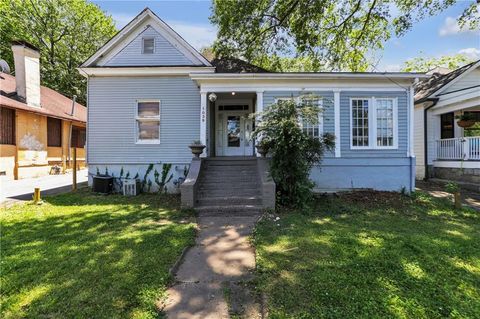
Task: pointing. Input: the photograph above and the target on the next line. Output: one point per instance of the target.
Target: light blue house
(150, 94)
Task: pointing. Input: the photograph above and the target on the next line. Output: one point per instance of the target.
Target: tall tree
(425, 64)
(67, 32)
(334, 34)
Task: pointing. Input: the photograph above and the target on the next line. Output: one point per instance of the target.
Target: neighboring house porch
(457, 151)
(445, 149)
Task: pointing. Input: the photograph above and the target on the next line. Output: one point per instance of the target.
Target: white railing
(463, 148)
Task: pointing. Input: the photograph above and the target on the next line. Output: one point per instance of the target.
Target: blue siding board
(165, 53)
(112, 107)
(389, 169)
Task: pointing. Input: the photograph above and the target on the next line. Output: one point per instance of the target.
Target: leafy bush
(293, 152)
(452, 187)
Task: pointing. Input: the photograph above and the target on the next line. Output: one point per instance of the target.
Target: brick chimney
(27, 72)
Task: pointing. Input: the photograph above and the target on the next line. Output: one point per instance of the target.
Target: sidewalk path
(469, 198)
(22, 189)
(213, 280)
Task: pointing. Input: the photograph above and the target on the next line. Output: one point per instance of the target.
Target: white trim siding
(203, 120)
(336, 105)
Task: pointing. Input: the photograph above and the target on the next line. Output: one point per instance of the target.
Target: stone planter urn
(197, 149)
(262, 150)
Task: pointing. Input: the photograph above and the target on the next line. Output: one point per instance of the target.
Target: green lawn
(89, 256)
(368, 255)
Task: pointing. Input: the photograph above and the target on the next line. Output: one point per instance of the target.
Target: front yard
(89, 256)
(367, 255)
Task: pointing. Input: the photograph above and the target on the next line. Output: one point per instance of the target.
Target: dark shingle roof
(426, 87)
(234, 65)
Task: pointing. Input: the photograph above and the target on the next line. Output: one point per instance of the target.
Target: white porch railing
(463, 148)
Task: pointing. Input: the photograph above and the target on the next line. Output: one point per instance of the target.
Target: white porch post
(336, 106)
(466, 149)
(411, 106)
(258, 109)
(203, 121)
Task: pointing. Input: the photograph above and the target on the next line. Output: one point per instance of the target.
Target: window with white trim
(148, 121)
(313, 130)
(384, 109)
(373, 123)
(148, 45)
(360, 126)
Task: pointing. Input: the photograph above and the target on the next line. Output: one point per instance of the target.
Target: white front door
(233, 133)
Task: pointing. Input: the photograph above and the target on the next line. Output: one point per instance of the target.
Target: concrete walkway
(470, 199)
(22, 189)
(212, 281)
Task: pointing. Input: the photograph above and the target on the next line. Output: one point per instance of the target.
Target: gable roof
(115, 44)
(234, 65)
(426, 88)
(52, 103)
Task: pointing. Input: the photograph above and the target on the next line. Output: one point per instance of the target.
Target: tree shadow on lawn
(107, 258)
(418, 259)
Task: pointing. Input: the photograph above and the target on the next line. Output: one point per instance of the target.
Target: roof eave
(309, 75)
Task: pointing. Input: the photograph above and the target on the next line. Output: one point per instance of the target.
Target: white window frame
(372, 123)
(143, 44)
(297, 100)
(155, 118)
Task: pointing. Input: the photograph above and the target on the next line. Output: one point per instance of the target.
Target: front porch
(456, 154)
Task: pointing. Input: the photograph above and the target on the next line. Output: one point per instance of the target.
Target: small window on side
(148, 45)
(148, 122)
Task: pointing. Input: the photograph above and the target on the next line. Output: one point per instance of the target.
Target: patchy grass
(82, 255)
(371, 255)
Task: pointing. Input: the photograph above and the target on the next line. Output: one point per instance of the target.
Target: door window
(233, 131)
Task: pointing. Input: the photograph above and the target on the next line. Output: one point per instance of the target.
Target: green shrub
(293, 152)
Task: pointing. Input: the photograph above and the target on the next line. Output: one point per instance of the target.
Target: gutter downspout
(425, 137)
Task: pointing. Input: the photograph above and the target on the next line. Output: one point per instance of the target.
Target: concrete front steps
(229, 185)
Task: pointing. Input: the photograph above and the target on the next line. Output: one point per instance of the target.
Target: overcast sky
(433, 37)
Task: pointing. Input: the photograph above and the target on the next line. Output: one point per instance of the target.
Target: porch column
(203, 121)
(336, 106)
(258, 109)
(411, 107)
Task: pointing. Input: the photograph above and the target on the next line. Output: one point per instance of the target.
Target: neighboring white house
(443, 148)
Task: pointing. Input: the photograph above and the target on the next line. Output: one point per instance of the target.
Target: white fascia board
(144, 71)
(459, 106)
(301, 85)
(457, 97)
(463, 94)
(302, 76)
